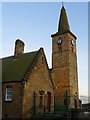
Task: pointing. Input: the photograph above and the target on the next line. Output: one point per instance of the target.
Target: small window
(8, 96)
(60, 48)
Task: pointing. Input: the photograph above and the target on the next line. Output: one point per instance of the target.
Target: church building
(28, 85)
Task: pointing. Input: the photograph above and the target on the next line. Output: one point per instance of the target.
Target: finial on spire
(62, 4)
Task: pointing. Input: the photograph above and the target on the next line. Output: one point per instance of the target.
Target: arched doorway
(48, 102)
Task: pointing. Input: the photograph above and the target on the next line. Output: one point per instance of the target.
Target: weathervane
(62, 4)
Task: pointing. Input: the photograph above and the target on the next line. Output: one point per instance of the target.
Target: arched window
(48, 102)
(41, 101)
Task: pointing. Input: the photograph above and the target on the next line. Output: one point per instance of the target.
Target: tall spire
(63, 21)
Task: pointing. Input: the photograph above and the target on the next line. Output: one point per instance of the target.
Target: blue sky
(35, 22)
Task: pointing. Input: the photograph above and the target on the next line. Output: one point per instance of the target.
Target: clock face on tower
(59, 41)
(72, 42)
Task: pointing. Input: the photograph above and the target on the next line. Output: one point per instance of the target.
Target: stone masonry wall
(12, 109)
(64, 63)
(38, 80)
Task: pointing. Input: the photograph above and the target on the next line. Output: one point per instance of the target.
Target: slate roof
(14, 69)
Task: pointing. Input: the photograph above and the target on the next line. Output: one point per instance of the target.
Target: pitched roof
(14, 69)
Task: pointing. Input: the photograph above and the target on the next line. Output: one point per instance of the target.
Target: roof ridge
(18, 56)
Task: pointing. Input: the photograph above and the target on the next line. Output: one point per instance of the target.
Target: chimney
(19, 47)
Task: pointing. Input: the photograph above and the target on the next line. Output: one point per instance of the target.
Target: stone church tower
(64, 63)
